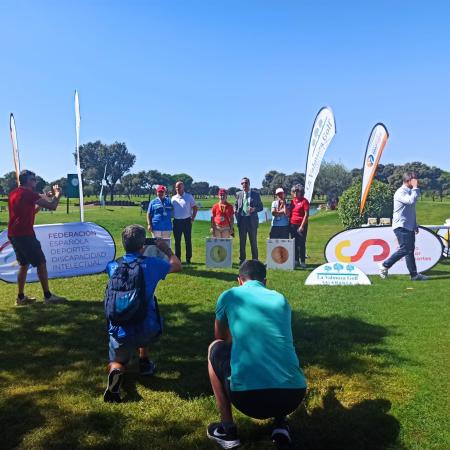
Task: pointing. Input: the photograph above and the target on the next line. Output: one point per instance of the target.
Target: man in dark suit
(248, 205)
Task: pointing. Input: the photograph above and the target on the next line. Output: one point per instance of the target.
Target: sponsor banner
(280, 254)
(337, 274)
(72, 187)
(375, 146)
(77, 131)
(15, 146)
(444, 234)
(368, 247)
(322, 133)
(71, 249)
(219, 252)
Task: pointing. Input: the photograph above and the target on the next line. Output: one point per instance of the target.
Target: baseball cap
(279, 190)
(222, 191)
(161, 188)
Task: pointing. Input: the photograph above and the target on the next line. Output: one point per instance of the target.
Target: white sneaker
(55, 300)
(25, 301)
(384, 271)
(420, 277)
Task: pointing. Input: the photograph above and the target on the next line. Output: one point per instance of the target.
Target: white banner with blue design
(71, 249)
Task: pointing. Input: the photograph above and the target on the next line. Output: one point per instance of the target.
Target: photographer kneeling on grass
(131, 307)
(252, 364)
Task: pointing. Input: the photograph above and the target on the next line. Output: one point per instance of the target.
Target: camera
(150, 241)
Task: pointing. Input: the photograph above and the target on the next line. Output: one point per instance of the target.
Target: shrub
(379, 203)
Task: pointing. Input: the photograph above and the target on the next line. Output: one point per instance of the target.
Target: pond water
(263, 216)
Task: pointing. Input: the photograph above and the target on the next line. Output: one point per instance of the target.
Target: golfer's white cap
(279, 190)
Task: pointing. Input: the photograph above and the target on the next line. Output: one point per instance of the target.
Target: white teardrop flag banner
(77, 130)
(322, 133)
(375, 146)
(15, 146)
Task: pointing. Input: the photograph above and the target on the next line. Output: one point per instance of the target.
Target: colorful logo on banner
(382, 244)
(369, 246)
(337, 274)
(370, 161)
(70, 249)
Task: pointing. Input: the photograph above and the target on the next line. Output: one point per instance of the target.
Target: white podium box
(219, 252)
(281, 254)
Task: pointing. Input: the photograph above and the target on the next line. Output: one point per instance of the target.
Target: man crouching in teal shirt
(126, 339)
(252, 364)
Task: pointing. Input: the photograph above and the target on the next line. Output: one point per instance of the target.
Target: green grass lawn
(376, 357)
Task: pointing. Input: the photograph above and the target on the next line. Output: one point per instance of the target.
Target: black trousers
(300, 241)
(407, 242)
(183, 226)
(246, 226)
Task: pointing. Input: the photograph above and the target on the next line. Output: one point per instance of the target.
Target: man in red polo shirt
(23, 203)
(298, 226)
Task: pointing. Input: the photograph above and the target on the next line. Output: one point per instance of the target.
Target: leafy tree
(356, 175)
(268, 179)
(379, 204)
(94, 156)
(127, 183)
(294, 178)
(200, 188)
(333, 179)
(185, 178)
(274, 179)
(61, 182)
(8, 182)
(427, 175)
(232, 190)
(444, 181)
(213, 190)
(384, 172)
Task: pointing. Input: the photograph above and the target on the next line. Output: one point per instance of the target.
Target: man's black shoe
(227, 439)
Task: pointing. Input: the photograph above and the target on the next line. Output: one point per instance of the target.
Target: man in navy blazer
(248, 205)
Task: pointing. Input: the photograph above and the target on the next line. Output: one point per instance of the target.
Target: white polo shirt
(182, 206)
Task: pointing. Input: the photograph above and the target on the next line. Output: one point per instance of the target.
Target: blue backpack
(125, 300)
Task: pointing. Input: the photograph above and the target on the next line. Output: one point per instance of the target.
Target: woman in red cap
(222, 217)
(159, 214)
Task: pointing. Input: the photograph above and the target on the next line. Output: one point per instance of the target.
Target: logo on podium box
(219, 252)
(280, 254)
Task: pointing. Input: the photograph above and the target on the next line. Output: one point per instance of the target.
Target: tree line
(335, 178)
(111, 165)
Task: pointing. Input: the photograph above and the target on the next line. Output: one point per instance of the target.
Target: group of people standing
(289, 220)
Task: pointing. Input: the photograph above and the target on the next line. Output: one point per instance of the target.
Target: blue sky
(222, 89)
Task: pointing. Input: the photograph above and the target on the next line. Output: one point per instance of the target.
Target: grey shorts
(121, 350)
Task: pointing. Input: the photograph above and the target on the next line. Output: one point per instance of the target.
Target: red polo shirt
(222, 214)
(22, 206)
(298, 210)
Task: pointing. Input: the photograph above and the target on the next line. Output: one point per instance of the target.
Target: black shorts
(279, 232)
(259, 403)
(28, 250)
